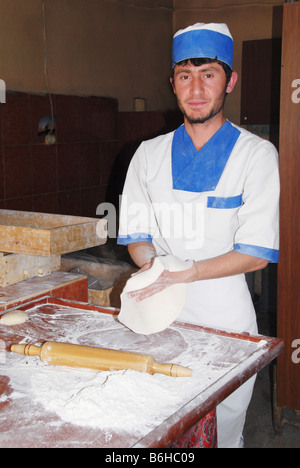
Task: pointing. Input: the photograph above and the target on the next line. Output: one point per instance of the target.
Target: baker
(207, 193)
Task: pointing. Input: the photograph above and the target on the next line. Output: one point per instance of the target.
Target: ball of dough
(157, 312)
(15, 317)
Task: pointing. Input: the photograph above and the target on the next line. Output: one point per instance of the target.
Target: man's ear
(172, 84)
(232, 82)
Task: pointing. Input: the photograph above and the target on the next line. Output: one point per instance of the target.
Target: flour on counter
(118, 401)
(123, 400)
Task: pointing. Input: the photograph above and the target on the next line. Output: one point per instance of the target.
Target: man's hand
(165, 280)
(229, 264)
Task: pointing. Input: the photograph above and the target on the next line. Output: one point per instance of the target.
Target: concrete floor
(259, 431)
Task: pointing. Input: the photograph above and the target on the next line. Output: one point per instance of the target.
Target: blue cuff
(134, 238)
(271, 255)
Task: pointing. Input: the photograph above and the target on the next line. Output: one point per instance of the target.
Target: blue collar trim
(200, 171)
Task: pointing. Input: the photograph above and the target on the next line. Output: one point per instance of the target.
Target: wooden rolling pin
(64, 354)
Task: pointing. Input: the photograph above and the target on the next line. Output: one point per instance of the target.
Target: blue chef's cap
(203, 41)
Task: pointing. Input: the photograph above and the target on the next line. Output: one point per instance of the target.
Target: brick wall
(88, 163)
(69, 177)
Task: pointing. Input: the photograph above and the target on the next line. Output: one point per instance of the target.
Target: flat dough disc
(15, 317)
(156, 313)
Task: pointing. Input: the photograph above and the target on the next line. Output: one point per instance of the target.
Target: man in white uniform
(208, 192)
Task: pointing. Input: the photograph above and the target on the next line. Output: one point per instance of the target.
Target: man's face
(200, 91)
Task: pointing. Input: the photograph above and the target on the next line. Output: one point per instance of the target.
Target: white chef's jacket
(200, 204)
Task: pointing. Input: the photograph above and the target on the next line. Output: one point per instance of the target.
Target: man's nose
(197, 86)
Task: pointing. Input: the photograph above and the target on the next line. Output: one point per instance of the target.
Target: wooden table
(44, 234)
(58, 284)
(40, 404)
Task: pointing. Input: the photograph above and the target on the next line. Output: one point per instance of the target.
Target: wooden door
(288, 374)
(260, 93)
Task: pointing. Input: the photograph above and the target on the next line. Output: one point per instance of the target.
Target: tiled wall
(88, 163)
(69, 177)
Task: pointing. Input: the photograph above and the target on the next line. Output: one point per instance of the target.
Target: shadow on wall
(133, 129)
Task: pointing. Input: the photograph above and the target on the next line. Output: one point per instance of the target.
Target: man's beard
(214, 111)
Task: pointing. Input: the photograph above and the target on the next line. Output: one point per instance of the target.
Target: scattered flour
(107, 400)
(119, 401)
